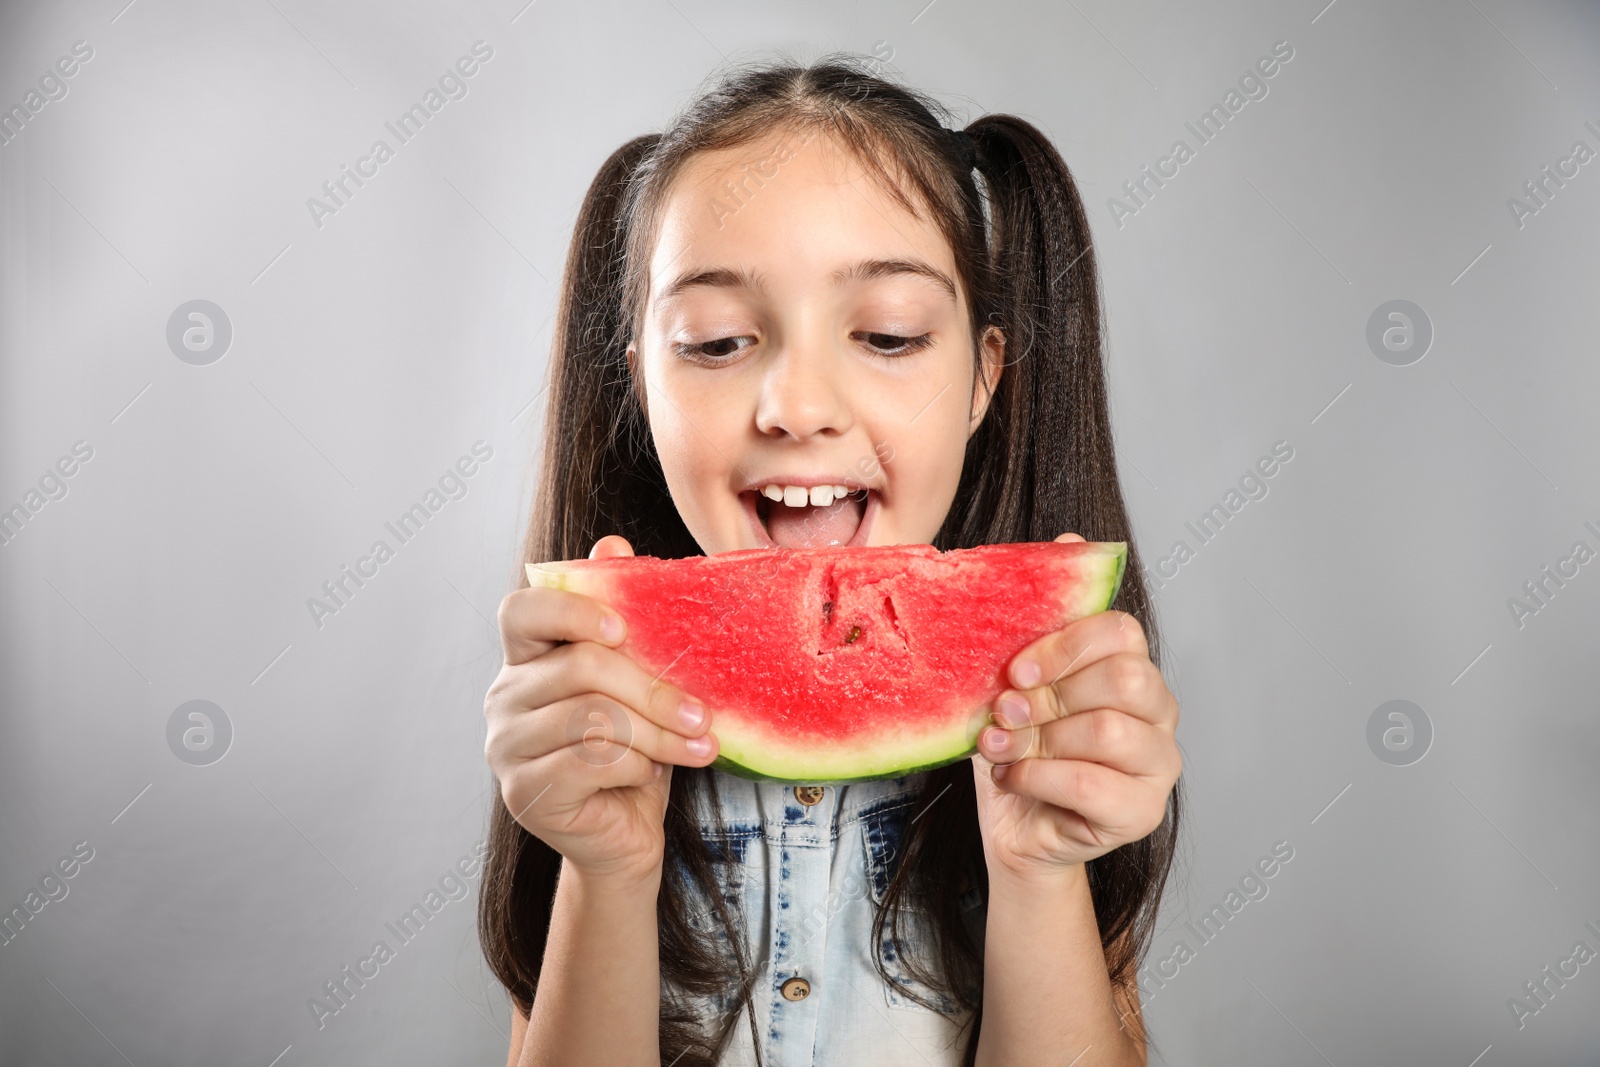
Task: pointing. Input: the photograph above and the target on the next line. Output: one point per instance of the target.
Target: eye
(891, 344)
(711, 352)
(718, 351)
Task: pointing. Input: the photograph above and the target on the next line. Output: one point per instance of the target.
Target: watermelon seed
(855, 632)
(827, 609)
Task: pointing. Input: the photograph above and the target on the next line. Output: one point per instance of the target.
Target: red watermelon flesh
(850, 663)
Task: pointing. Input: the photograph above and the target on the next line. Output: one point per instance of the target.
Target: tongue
(815, 527)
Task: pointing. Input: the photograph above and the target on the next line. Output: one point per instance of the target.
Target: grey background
(369, 354)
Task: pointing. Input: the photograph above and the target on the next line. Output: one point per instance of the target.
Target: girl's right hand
(575, 728)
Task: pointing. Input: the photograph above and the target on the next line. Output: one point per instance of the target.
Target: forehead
(794, 205)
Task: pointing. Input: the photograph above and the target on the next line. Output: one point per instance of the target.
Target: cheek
(688, 447)
(925, 468)
(693, 435)
(937, 451)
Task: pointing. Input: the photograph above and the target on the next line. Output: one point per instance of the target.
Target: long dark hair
(1041, 463)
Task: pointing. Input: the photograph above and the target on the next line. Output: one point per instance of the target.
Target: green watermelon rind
(722, 763)
(1093, 599)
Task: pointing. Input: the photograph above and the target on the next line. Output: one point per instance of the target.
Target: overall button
(796, 989)
(808, 795)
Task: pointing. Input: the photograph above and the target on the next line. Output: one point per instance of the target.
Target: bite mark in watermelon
(844, 664)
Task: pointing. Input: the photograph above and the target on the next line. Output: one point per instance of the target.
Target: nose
(803, 394)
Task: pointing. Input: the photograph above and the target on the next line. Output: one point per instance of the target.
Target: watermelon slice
(844, 664)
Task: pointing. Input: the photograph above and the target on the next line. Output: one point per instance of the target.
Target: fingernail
(611, 627)
(699, 746)
(657, 766)
(691, 714)
(999, 739)
(1026, 673)
(1012, 711)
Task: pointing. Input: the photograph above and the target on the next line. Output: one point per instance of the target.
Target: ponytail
(599, 475)
(593, 482)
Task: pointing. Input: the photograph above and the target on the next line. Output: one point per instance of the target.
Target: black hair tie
(966, 144)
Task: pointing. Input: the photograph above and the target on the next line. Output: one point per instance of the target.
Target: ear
(992, 348)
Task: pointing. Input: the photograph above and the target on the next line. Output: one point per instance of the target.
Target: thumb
(660, 791)
(610, 546)
(1070, 537)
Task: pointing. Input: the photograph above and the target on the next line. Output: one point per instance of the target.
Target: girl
(803, 285)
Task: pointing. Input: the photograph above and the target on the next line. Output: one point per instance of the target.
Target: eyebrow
(864, 270)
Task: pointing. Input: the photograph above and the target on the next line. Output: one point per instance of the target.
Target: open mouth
(846, 521)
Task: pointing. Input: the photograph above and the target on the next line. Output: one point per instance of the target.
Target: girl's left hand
(1090, 766)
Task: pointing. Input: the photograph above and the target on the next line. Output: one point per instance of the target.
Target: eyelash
(908, 346)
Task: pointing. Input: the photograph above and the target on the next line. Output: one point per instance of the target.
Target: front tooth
(840, 492)
(821, 495)
(772, 492)
(795, 496)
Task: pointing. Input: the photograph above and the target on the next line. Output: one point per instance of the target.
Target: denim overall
(807, 867)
